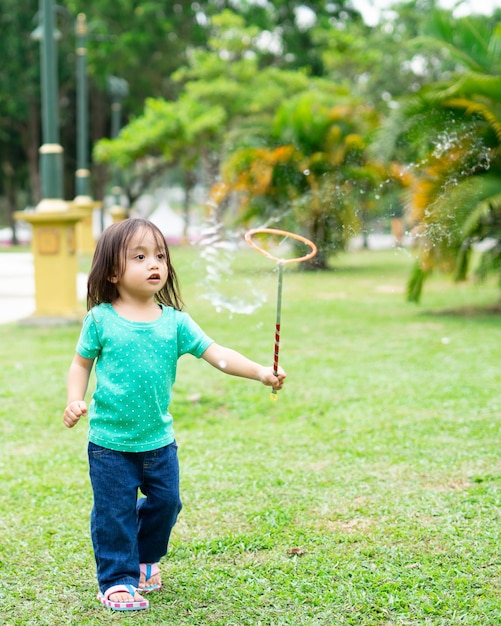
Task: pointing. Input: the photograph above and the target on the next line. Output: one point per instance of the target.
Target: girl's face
(145, 270)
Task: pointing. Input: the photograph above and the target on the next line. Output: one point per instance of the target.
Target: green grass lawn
(368, 494)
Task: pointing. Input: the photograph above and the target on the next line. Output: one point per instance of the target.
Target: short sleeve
(89, 344)
(191, 338)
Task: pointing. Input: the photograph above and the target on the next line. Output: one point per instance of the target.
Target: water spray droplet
(220, 287)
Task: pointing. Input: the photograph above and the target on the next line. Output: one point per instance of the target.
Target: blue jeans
(125, 530)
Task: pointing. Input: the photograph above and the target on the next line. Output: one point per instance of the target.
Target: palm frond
(495, 43)
(490, 263)
(415, 120)
(416, 282)
(471, 84)
(486, 196)
(467, 40)
(458, 55)
(471, 107)
(463, 261)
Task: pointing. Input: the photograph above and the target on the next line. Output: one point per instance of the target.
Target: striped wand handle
(274, 392)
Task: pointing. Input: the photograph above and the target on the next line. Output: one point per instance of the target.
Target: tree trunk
(320, 237)
(189, 183)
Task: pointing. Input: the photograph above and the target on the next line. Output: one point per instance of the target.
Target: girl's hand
(73, 412)
(268, 378)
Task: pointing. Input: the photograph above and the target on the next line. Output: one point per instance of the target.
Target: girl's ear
(113, 279)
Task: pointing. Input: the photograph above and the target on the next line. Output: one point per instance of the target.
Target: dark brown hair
(110, 258)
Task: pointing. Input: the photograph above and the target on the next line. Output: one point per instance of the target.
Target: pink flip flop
(149, 570)
(131, 605)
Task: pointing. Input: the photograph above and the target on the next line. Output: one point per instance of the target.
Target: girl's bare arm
(78, 381)
(232, 362)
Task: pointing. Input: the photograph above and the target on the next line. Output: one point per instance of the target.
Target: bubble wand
(280, 264)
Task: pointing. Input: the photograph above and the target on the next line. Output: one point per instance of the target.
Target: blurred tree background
(286, 112)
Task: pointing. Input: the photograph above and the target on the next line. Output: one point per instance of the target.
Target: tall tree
(219, 88)
(19, 104)
(312, 173)
(454, 128)
(289, 27)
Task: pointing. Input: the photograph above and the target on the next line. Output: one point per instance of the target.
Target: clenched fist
(73, 412)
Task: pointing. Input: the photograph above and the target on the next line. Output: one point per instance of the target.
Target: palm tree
(453, 128)
(311, 172)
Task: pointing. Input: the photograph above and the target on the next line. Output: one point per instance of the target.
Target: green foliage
(216, 92)
(310, 171)
(291, 24)
(19, 94)
(468, 41)
(250, 105)
(454, 129)
(165, 129)
(375, 62)
(142, 42)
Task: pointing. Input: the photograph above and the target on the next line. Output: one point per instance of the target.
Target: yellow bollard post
(56, 264)
(53, 221)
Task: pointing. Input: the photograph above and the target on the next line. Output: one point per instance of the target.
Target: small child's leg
(157, 512)
(115, 479)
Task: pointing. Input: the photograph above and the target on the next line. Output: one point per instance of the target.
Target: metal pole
(118, 89)
(116, 122)
(82, 174)
(51, 152)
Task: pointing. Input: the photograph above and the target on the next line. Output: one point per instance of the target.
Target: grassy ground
(368, 494)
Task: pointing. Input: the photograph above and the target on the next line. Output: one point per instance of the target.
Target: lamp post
(82, 173)
(83, 199)
(53, 221)
(118, 89)
(51, 151)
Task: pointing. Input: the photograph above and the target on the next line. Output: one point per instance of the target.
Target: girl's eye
(140, 257)
(161, 256)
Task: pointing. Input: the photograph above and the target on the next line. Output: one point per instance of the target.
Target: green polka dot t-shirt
(135, 370)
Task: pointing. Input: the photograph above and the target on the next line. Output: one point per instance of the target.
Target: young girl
(135, 331)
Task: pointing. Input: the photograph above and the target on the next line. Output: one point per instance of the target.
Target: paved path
(17, 286)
